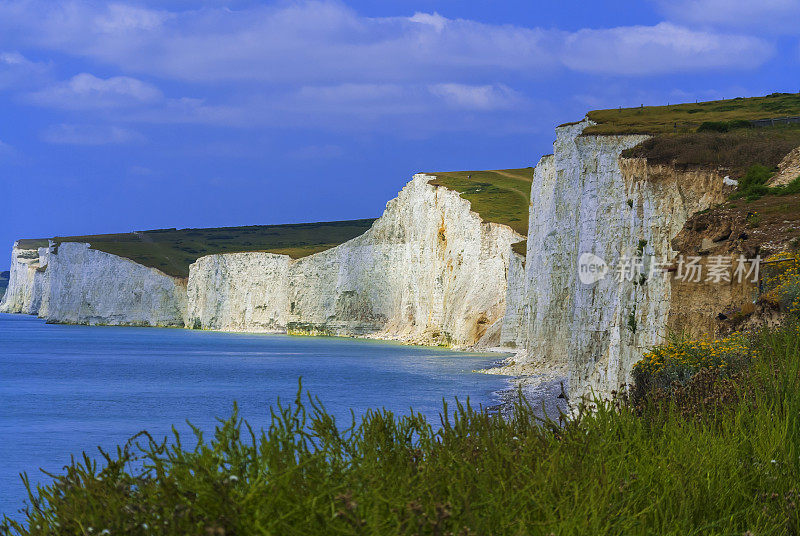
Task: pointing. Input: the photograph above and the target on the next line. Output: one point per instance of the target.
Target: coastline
(540, 385)
(543, 387)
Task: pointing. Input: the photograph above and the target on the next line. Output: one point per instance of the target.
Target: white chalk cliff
(586, 199)
(428, 271)
(71, 283)
(26, 281)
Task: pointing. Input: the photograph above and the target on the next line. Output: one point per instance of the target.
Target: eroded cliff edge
(429, 271)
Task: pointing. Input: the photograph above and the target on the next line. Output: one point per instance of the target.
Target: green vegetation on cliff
(730, 136)
(733, 152)
(173, 250)
(499, 196)
(690, 117)
(716, 455)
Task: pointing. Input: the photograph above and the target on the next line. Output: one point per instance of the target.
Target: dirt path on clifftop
(516, 177)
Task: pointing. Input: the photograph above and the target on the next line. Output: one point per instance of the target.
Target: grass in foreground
(173, 250)
(499, 196)
(689, 117)
(650, 468)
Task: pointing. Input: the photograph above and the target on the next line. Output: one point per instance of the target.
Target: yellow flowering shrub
(679, 360)
(782, 281)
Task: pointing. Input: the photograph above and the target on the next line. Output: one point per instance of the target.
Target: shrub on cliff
(735, 151)
(782, 283)
(754, 183)
(672, 366)
(723, 126)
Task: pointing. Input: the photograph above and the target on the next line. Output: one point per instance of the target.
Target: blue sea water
(69, 389)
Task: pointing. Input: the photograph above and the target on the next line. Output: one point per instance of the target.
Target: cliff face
(734, 233)
(239, 292)
(74, 284)
(586, 199)
(429, 271)
(514, 332)
(26, 281)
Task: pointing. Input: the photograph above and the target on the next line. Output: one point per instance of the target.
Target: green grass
(623, 469)
(173, 250)
(499, 196)
(520, 248)
(715, 134)
(690, 116)
(753, 185)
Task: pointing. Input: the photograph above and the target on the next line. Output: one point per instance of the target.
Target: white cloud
(486, 97)
(13, 59)
(311, 42)
(437, 21)
(323, 42)
(664, 48)
(318, 63)
(123, 18)
(352, 107)
(17, 72)
(140, 171)
(85, 91)
(69, 134)
(766, 17)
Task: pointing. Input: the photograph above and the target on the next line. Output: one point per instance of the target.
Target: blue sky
(125, 116)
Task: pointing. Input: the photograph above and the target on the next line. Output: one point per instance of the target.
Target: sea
(65, 390)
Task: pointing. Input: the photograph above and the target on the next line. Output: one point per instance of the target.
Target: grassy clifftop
(173, 250)
(729, 135)
(499, 196)
(689, 117)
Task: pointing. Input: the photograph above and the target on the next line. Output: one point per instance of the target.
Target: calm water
(67, 389)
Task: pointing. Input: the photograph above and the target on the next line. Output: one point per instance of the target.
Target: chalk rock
(71, 283)
(429, 271)
(586, 199)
